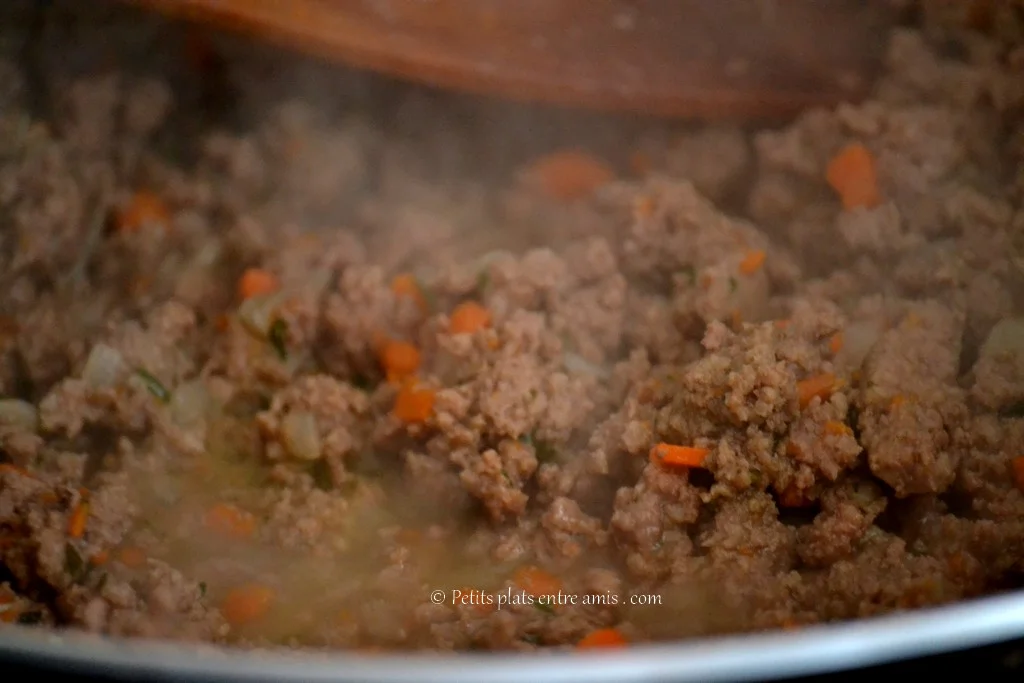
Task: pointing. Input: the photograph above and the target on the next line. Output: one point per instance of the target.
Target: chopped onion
(17, 413)
(190, 403)
(208, 255)
(166, 491)
(319, 279)
(494, 256)
(104, 368)
(576, 364)
(257, 313)
(1007, 337)
(859, 338)
(301, 436)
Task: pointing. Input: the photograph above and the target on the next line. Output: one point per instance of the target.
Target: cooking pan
(808, 651)
(816, 650)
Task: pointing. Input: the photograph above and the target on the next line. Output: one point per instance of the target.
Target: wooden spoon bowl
(685, 58)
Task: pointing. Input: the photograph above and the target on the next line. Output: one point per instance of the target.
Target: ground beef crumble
(181, 457)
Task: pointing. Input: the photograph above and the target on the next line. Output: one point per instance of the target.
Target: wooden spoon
(687, 58)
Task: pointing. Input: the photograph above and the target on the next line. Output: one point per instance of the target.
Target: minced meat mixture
(272, 375)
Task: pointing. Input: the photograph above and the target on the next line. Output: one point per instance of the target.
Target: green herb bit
(483, 281)
(429, 298)
(323, 479)
(30, 618)
(544, 451)
(1012, 411)
(74, 565)
(544, 607)
(278, 338)
(153, 385)
(691, 274)
(363, 383)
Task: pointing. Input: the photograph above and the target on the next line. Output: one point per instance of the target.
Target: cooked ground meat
(271, 379)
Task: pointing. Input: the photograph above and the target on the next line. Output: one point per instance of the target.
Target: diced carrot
(835, 343)
(256, 282)
(413, 404)
(100, 558)
(247, 603)
(132, 556)
(601, 638)
(77, 520)
(145, 207)
(837, 428)
(473, 598)
(793, 497)
(536, 581)
(6, 467)
(852, 174)
(1018, 472)
(569, 175)
(735, 319)
(49, 498)
(919, 594)
(643, 207)
(896, 401)
(752, 262)
(406, 285)
(7, 596)
(820, 386)
(678, 456)
(10, 615)
(782, 323)
(228, 520)
(469, 317)
(399, 359)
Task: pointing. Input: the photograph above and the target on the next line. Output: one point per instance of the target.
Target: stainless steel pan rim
(810, 651)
